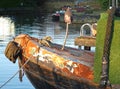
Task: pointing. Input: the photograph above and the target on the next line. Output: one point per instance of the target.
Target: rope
(15, 74)
(44, 42)
(104, 82)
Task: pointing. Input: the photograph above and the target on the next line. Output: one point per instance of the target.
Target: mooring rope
(15, 73)
(104, 82)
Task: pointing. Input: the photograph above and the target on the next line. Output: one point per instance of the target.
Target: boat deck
(82, 56)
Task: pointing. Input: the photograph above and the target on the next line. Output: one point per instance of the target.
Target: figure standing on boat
(68, 20)
(68, 16)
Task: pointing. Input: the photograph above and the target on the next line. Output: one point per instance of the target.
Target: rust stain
(65, 65)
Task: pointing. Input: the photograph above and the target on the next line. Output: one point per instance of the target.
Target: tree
(104, 3)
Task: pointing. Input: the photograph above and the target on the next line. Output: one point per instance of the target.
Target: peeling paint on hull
(53, 68)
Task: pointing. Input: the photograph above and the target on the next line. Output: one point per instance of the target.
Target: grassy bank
(99, 45)
(115, 53)
(56, 5)
(114, 50)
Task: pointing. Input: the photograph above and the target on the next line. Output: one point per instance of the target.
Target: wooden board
(85, 41)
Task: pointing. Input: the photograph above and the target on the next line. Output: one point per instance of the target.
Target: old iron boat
(49, 67)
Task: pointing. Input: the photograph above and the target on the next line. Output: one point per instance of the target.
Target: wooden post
(68, 20)
(66, 36)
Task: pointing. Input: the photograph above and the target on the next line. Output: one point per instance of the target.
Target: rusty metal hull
(53, 68)
(42, 78)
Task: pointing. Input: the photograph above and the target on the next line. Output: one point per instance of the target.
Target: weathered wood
(85, 41)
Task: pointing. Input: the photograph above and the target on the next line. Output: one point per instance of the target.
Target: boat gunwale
(71, 56)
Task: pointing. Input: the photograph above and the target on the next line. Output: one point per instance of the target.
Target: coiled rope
(15, 73)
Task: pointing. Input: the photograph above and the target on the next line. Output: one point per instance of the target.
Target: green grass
(114, 71)
(115, 54)
(99, 45)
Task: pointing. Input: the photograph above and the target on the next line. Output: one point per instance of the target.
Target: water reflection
(36, 26)
(7, 28)
(40, 27)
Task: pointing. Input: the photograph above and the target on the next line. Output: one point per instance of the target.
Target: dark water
(36, 26)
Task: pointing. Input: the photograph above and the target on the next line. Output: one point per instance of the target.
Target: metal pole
(116, 3)
(113, 3)
(66, 36)
(68, 20)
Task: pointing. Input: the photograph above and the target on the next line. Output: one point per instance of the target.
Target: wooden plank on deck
(85, 41)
